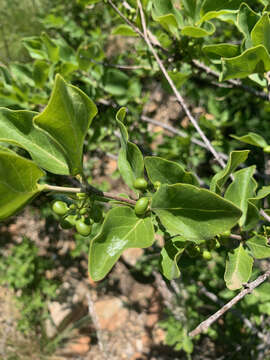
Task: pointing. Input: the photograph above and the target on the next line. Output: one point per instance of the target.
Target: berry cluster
(81, 214)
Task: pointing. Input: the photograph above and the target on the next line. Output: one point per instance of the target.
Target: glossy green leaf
(221, 50)
(193, 213)
(169, 257)
(246, 20)
(130, 159)
(252, 139)
(253, 60)
(124, 30)
(238, 268)
(18, 182)
(252, 216)
(235, 159)
(16, 127)
(121, 230)
(197, 32)
(241, 189)
(51, 47)
(260, 32)
(259, 247)
(167, 172)
(66, 119)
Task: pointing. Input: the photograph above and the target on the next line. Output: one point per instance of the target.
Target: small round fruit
(60, 207)
(73, 207)
(83, 228)
(206, 255)
(67, 223)
(266, 149)
(141, 206)
(140, 184)
(157, 185)
(83, 211)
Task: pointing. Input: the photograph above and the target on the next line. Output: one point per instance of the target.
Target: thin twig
(176, 92)
(234, 83)
(203, 326)
(90, 189)
(263, 213)
(175, 131)
(135, 28)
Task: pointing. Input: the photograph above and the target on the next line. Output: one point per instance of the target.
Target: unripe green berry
(266, 149)
(157, 185)
(83, 228)
(83, 211)
(140, 184)
(141, 206)
(73, 207)
(206, 255)
(60, 207)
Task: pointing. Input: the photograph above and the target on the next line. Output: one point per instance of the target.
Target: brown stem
(203, 326)
(91, 190)
(176, 92)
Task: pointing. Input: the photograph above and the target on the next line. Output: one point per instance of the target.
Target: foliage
(178, 192)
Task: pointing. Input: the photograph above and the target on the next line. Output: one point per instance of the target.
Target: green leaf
(193, 213)
(235, 159)
(130, 159)
(16, 127)
(219, 5)
(124, 30)
(241, 189)
(252, 139)
(246, 20)
(167, 172)
(18, 182)
(260, 32)
(253, 60)
(121, 230)
(259, 247)
(169, 257)
(51, 47)
(167, 16)
(178, 79)
(87, 53)
(198, 32)
(66, 119)
(35, 47)
(221, 50)
(214, 9)
(40, 72)
(252, 216)
(238, 268)
(116, 82)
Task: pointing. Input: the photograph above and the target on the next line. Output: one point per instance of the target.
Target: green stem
(100, 195)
